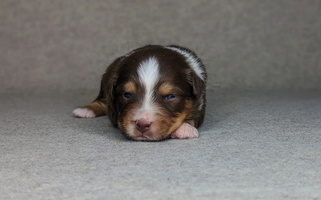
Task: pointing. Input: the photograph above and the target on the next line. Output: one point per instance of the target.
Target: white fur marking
(83, 113)
(130, 130)
(191, 60)
(185, 131)
(148, 75)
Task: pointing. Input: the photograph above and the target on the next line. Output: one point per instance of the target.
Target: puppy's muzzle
(143, 125)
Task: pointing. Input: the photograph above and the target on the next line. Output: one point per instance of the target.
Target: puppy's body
(152, 93)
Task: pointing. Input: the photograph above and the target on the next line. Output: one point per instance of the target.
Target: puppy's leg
(99, 106)
(96, 108)
(188, 128)
(185, 131)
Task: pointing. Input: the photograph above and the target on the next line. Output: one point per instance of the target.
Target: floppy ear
(198, 90)
(108, 85)
(198, 85)
(196, 79)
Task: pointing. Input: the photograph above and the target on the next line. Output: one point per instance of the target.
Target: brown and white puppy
(152, 93)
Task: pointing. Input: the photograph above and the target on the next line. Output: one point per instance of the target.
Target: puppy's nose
(143, 125)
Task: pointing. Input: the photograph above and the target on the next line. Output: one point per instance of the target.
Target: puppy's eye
(127, 95)
(169, 97)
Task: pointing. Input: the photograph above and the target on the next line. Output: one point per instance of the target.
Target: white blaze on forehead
(191, 60)
(148, 73)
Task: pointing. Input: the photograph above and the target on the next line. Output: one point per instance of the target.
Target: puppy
(152, 93)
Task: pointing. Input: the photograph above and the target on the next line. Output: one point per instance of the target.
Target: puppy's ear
(108, 85)
(198, 85)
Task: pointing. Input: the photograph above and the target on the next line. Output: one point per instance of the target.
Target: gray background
(261, 138)
(66, 45)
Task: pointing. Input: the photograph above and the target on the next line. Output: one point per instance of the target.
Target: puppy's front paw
(185, 131)
(83, 113)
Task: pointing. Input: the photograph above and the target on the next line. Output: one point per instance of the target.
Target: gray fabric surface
(262, 143)
(253, 145)
(63, 45)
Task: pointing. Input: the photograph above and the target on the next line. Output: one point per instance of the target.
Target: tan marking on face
(165, 89)
(130, 87)
(125, 122)
(178, 121)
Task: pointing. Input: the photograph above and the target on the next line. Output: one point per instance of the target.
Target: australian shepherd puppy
(152, 93)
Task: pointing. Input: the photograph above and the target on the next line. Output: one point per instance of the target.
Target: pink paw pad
(185, 131)
(83, 113)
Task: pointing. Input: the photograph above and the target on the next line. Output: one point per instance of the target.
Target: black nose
(143, 125)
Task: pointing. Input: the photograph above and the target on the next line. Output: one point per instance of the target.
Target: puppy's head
(153, 91)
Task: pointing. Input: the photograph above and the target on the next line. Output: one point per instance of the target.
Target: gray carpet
(253, 145)
(262, 134)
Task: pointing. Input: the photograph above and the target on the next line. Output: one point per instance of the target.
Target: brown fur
(176, 77)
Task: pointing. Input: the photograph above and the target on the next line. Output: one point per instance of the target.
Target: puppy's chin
(148, 137)
(152, 134)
